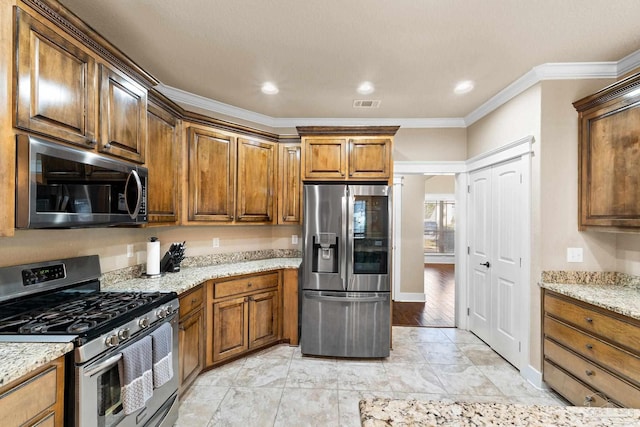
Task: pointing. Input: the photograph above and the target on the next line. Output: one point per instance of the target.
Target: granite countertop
(612, 291)
(390, 412)
(18, 359)
(190, 277)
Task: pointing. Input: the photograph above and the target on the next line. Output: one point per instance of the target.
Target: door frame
(522, 148)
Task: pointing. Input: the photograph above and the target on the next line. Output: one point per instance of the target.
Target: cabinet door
(289, 184)
(191, 334)
(163, 154)
(123, 116)
(230, 322)
(256, 181)
(264, 325)
(370, 158)
(55, 88)
(325, 158)
(212, 171)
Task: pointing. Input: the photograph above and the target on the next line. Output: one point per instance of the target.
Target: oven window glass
(110, 410)
(370, 234)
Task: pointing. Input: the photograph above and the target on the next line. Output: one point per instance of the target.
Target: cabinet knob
(91, 142)
(588, 399)
(194, 300)
(589, 346)
(107, 146)
(589, 373)
(588, 319)
(249, 284)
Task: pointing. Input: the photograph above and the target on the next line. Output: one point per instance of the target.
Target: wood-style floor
(438, 310)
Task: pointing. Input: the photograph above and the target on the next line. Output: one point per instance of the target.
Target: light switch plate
(294, 239)
(216, 242)
(129, 251)
(574, 255)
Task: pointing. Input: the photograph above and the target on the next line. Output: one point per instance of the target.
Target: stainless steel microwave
(58, 186)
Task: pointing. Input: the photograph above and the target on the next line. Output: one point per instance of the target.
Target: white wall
(439, 184)
(412, 262)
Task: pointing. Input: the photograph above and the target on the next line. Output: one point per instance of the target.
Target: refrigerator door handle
(343, 244)
(347, 299)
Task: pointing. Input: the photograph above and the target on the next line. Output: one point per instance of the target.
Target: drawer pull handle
(589, 373)
(588, 319)
(589, 346)
(195, 300)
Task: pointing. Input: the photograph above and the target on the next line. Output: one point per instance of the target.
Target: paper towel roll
(153, 256)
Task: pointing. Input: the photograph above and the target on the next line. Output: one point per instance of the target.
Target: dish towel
(162, 358)
(136, 376)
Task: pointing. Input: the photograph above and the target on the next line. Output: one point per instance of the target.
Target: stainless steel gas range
(61, 301)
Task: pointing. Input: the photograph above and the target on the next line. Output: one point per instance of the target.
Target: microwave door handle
(135, 176)
(110, 361)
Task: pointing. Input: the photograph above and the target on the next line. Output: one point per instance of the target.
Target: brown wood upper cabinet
(347, 153)
(231, 179)
(609, 154)
(56, 84)
(62, 90)
(123, 116)
(163, 160)
(289, 184)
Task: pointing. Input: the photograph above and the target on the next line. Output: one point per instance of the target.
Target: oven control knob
(144, 322)
(123, 334)
(170, 309)
(161, 313)
(112, 340)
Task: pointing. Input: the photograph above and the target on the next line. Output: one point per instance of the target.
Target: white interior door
(480, 253)
(494, 241)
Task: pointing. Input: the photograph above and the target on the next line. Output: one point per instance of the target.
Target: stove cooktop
(79, 314)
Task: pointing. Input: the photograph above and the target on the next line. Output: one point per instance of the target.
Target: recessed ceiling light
(269, 88)
(463, 87)
(366, 88)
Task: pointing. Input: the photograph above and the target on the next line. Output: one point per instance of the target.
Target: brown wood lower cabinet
(591, 355)
(243, 314)
(36, 400)
(191, 336)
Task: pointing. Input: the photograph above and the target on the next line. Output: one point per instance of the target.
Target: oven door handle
(101, 366)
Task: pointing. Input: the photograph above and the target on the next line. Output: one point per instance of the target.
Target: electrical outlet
(129, 251)
(294, 239)
(574, 254)
(216, 242)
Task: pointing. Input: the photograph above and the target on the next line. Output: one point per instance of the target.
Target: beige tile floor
(280, 387)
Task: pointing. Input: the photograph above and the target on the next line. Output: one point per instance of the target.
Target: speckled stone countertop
(18, 359)
(617, 292)
(190, 277)
(390, 412)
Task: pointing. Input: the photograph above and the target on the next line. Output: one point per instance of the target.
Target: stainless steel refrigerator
(346, 298)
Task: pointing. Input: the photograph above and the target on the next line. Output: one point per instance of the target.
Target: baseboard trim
(409, 297)
(534, 377)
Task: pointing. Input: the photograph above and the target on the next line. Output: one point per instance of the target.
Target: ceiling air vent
(366, 103)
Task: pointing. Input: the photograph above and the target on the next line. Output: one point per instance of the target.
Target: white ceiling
(317, 52)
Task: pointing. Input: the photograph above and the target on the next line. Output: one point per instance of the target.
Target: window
(439, 226)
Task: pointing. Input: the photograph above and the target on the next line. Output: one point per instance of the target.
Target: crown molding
(548, 71)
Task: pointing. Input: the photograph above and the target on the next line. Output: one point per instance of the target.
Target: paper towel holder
(144, 275)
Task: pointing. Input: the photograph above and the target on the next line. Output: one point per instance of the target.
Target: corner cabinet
(231, 179)
(243, 313)
(35, 400)
(163, 161)
(609, 154)
(591, 355)
(347, 153)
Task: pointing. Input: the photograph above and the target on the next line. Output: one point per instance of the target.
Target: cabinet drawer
(613, 329)
(191, 301)
(245, 284)
(613, 358)
(29, 399)
(573, 390)
(593, 375)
